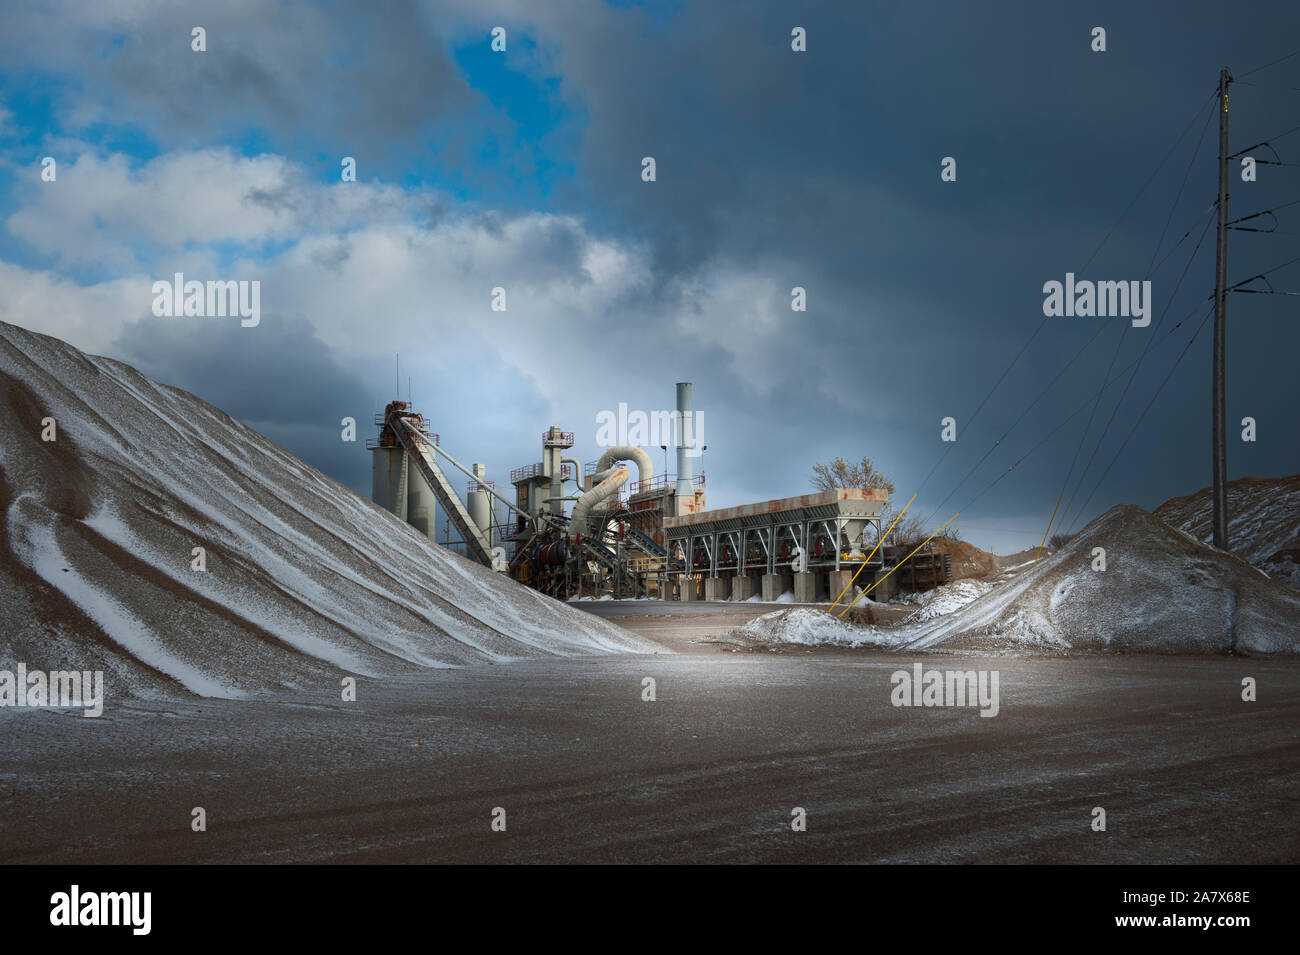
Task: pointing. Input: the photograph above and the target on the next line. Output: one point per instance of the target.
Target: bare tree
(839, 473)
(910, 531)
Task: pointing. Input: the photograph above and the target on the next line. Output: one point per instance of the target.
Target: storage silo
(398, 487)
(388, 478)
(479, 502)
(421, 507)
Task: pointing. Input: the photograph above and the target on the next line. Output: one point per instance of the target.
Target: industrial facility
(648, 537)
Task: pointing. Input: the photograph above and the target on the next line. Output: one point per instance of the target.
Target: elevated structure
(811, 539)
(539, 487)
(402, 431)
(611, 542)
(395, 485)
(625, 537)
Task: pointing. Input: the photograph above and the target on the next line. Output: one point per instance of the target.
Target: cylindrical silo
(388, 473)
(478, 502)
(421, 507)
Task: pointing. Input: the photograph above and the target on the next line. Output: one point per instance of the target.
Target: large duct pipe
(645, 467)
(685, 441)
(605, 489)
(577, 471)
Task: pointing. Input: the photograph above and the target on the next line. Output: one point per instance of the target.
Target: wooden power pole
(1220, 492)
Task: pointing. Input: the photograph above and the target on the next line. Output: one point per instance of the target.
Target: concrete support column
(715, 588)
(805, 588)
(686, 587)
(884, 591)
(742, 588)
(838, 580)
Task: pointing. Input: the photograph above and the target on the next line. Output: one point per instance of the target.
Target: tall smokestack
(685, 438)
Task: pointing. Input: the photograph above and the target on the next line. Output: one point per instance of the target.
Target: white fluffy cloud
(101, 210)
(376, 269)
(89, 317)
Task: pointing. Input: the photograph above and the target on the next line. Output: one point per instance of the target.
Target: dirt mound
(1021, 557)
(304, 579)
(1263, 522)
(967, 559)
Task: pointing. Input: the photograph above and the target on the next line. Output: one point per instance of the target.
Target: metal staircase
(600, 552)
(645, 542)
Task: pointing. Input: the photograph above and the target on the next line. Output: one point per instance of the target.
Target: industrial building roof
(848, 501)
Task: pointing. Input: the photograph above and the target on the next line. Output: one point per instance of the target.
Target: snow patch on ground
(807, 628)
(948, 598)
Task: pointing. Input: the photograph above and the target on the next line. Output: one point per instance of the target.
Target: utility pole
(1220, 518)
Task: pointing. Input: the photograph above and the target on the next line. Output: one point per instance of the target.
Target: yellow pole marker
(896, 566)
(872, 554)
(1046, 532)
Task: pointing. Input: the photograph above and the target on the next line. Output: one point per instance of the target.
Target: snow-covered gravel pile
(1160, 591)
(304, 580)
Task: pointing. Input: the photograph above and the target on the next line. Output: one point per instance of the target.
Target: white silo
(397, 486)
(479, 502)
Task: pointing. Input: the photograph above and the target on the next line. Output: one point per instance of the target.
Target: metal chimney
(685, 439)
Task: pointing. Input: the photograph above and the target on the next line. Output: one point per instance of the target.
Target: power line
(1143, 415)
(1266, 142)
(1176, 245)
(1024, 411)
(1079, 410)
(1272, 63)
(1263, 291)
(1115, 410)
(1101, 329)
(1150, 179)
(943, 454)
(1261, 212)
(1119, 344)
(1276, 268)
(1270, 86)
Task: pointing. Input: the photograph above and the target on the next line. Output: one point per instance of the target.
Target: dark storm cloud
(374, 80)
(823, 169)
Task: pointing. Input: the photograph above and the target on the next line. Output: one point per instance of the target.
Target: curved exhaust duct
(602, 491)
(577, 471)
(645, 467)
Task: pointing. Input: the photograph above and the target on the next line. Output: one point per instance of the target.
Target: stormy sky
(819, 169)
